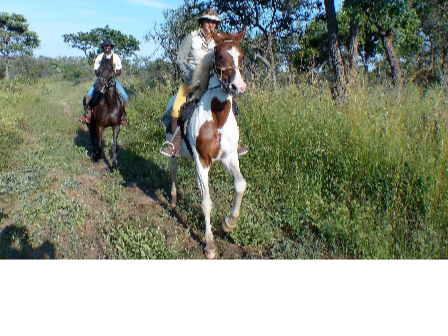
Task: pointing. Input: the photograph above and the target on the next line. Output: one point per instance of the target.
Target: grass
(365, 180)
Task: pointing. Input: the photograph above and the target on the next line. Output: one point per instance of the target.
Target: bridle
(110, 81)
(214, 70)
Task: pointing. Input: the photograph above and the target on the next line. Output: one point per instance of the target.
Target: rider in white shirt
(107, 45)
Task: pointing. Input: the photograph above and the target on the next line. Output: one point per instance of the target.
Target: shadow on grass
(150, 178)
(144, 174)
(15, 243)
(83, 140)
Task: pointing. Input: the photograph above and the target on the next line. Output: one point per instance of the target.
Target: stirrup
(167, 151)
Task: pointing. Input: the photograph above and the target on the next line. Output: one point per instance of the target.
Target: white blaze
(238, 81)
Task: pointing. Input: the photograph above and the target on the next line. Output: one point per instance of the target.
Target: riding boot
(124, 117)
(173, 151)
(177, 137)
(87, 111)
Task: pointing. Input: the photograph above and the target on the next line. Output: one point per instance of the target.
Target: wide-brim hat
(107, 42)
(210, 14)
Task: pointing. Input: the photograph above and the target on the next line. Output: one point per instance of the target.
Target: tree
(335, 52)
(15, 38)
(396, 22)
(90, 43)
(312, 53)
(273, 20)
(179, 22)
(433, 15)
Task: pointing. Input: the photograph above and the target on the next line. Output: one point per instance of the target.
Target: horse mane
(201, 74)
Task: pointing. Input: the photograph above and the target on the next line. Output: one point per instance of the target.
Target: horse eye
(220, 56)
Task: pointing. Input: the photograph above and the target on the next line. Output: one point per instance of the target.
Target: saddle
(188, 109)
(95, 100)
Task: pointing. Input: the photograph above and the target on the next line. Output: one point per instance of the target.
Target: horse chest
(206, 126)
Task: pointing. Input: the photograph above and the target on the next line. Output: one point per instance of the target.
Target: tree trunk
(394, 63)
(353, 53)
(7, 68)
(335, 53)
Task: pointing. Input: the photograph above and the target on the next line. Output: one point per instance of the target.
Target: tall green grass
(368, 179)
(11, 118)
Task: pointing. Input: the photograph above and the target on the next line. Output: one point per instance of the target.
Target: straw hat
(210, 14)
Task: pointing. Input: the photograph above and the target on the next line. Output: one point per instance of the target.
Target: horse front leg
(97, 150)
(202, 175)
(92, 131)
(173, 169)
(116, 130)
(233, 167)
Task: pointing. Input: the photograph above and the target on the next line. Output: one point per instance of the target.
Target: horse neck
(110, 92)
(214, 84)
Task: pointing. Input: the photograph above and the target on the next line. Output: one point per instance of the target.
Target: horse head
(106, 74)
(228, 61)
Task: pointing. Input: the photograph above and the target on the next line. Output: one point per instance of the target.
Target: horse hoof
(228, 224)
(174, 201)
(210, 253)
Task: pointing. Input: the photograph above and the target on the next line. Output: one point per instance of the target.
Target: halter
(214, 69)
(110, 81)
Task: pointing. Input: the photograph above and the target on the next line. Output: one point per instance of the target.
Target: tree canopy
(179, 22)
(90, 42)
(15, 38)
(274, 22)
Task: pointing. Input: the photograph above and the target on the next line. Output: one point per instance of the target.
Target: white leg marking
(202, 176)
(231, 164)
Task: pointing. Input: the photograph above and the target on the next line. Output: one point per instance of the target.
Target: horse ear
(240, 36)
(218, 39)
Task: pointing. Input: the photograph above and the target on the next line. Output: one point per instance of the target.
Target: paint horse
(108, 111)
(212, 132)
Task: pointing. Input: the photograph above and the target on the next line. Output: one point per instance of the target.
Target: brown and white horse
(212, 130)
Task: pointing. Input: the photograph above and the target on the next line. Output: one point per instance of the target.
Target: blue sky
(50, 19)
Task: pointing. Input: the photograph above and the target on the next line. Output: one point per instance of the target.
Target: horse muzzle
(237, 88)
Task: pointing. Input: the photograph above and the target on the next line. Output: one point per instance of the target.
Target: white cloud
(149, 3)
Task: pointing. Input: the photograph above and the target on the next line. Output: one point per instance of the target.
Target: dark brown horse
(106, 109)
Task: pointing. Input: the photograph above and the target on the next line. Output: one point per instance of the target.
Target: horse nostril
(233, 87)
